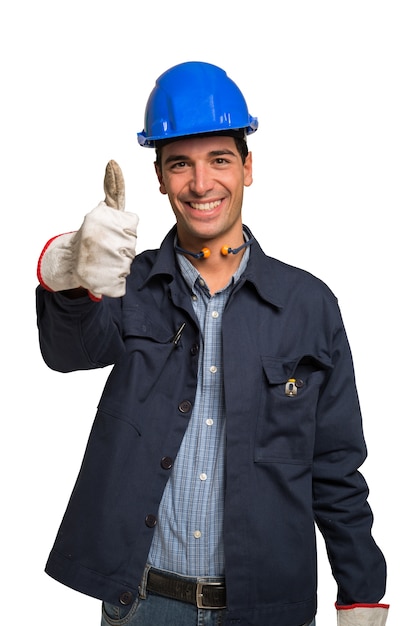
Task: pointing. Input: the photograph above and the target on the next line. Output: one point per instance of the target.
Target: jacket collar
(261, 270)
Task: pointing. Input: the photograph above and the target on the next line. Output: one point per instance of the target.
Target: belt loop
(144, 582)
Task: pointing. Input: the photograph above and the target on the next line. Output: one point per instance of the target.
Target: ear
(160, 178)
(248, 170)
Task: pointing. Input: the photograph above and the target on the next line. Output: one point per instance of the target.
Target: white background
(334, 85)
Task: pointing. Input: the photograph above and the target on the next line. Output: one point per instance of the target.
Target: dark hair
(238, 135)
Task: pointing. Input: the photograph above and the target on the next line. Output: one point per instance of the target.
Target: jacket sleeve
(78, 334)
(340, 492)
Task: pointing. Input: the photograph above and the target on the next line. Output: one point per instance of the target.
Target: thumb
(114, 186)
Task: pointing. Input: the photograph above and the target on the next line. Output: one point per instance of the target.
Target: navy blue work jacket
(293, 431)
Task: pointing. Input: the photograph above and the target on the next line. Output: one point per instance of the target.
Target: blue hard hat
(192, 98)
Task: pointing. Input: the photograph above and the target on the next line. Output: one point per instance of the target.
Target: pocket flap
(137, 323)
(279, 370)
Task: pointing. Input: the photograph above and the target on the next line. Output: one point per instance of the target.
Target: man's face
(204, 179)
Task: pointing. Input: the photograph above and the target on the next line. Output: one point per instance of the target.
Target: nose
(201, 182)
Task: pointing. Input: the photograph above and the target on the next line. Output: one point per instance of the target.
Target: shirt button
(203, 476)
(197, 534)
(213, 369)
(209, 421)
(215, 314)
(150, 521)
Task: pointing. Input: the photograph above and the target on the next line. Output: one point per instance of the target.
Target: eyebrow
(211, 154)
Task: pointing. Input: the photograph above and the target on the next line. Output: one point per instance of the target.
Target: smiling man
(204, 179)
(229, 425)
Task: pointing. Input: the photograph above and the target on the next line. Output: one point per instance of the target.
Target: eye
(178, 165)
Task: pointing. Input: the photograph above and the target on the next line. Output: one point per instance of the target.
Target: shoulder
(285, 281)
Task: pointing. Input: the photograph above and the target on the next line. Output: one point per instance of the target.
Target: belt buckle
(199, 595)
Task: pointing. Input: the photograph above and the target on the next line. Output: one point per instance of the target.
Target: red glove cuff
(346, 607)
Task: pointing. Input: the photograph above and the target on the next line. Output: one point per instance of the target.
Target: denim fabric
(158, 611)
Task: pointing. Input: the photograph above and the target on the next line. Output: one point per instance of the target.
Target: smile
(206, 206)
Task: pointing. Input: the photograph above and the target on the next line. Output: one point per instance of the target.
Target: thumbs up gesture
(98, 256)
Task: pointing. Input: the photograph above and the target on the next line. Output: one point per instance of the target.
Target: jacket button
(166, 462)
(126, 598)
(150, 521)
(194, 349)
(299, 383)
(185, 406)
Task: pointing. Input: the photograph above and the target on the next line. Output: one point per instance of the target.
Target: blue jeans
(158, 611)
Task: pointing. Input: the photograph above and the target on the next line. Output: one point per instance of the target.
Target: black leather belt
(204, 595)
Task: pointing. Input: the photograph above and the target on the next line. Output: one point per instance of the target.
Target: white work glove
(97, 257)
(375, 615)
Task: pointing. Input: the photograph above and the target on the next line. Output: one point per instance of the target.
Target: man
(230, 422)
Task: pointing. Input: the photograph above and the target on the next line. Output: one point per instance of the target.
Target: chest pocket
(285, 429)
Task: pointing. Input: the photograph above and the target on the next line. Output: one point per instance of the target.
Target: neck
(229, 244)
(217, 262)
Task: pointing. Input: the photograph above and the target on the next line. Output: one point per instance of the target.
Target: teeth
(207, 206)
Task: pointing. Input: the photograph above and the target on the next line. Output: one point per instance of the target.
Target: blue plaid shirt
(188, 538)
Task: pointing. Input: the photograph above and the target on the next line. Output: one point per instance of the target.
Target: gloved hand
(97, 257)
(374, 615)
